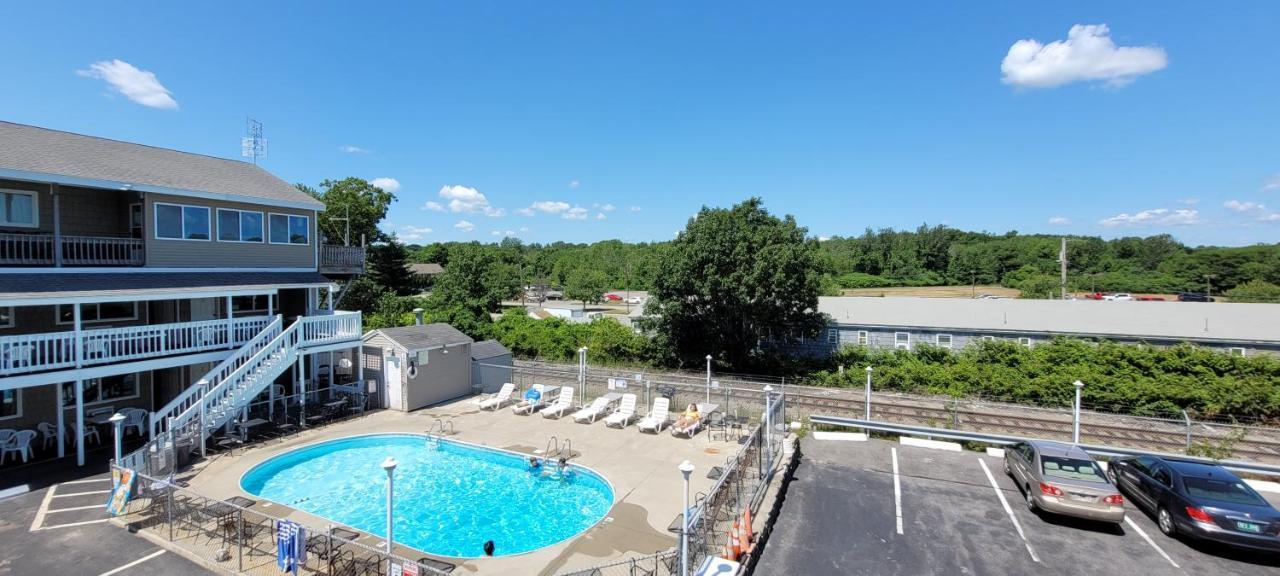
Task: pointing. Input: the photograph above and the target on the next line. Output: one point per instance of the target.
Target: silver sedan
(1063, 479)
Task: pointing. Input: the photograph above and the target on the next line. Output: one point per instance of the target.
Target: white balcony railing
(37, 250)
(52, 351)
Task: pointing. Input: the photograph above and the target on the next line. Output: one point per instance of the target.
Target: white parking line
(1143, 533)
(44, 508)
(897, 490)
(86, 481)
(74, 508)
(74, 524)
(1008, 510)
(132, 564)
(89, 493)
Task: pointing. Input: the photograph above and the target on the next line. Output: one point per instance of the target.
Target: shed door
(394, 382)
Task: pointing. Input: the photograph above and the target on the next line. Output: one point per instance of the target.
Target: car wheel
(1007, 472)
(1165, 520)
(1031, 500)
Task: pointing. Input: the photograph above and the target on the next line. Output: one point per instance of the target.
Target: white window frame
(1238, 351)
(241, 214)
(155, 218)
(289, 218)
(864, 338)
(989, 338)
(251, 311)
(137, 392)
(57, 314)
(35, 209)
(899, 345)
(17, 399)
(12, 321)
(1025, 341)
(938, 341)
(833, 336)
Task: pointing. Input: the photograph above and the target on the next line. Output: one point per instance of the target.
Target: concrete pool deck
(640, 466)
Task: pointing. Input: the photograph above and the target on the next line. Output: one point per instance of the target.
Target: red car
(612, 298)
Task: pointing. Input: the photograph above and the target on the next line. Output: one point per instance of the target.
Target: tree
(475, 283)
(1255, 291)
(365, 204)
(389, 267)
(587, 285)
(733, 279)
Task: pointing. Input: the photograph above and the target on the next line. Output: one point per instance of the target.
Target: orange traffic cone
(734, 545)
(744, 535)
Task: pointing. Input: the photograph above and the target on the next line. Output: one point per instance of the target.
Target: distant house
(430, 269)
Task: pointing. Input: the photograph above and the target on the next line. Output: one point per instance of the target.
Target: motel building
(161, 285)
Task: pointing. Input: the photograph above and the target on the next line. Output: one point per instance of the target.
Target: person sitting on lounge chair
(688, 419)
(530, 398)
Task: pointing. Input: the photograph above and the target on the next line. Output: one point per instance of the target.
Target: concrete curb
(841, 436)
(931, 444)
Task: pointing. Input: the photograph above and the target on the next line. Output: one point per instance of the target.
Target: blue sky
(845, 114)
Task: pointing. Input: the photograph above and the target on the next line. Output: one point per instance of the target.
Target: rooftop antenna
(253, 144)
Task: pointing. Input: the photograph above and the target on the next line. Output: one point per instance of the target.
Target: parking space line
(73, 524)
(1143, 533)
(132, 564)
(44, 508)
(897, 490)
(89, 493)
(85, 481)
(74, 508)
(1008, 510)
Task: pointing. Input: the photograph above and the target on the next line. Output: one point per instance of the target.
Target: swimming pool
(450, 497)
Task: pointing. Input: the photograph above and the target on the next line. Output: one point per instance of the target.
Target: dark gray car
(1063, 479)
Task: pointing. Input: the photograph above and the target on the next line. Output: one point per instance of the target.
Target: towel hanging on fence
(291, 546)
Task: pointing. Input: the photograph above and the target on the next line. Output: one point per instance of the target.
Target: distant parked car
(1095, 296)
(1150, 298)
(612, 298)
(1122, 296)
(1193, 297)
(1199, 500)
(635, 300)
(1063, 479)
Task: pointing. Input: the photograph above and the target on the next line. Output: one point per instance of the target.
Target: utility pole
(973, 288)
(1062, 262)
(1208, 286)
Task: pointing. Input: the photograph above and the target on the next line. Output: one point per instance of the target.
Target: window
(833, 336)
(1161, 474)
(944, 340)
(100, 390)
(178, 222)
(1024, 342)
(1071, 469)
(1222, 490)
(1236, 351)
(989, 338)
(246, 305)
(98, 312)
(239, 226)
(289, 229)
(863, 338)
(902, 340)
(18, 208)
(135, 221)
(10, 404)
(6, 317)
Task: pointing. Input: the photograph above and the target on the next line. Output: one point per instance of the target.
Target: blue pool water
(449, 499)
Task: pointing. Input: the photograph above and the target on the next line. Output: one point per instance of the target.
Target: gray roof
(1192, 321)
(488, 349)
(429, 269)
(41, 153)
(47, 287)
(422, 337)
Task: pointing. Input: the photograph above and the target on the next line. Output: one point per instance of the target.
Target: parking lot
(877, 507)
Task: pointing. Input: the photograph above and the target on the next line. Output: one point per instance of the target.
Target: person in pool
(534, 463)
(563, 467)
(531, 397)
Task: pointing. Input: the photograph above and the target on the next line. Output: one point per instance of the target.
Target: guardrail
(38, 249)
(1004, 440)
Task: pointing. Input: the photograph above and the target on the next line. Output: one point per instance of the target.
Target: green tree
(733, 279)
(1255, 291)
(474, 284)
(389, 267)
(355, 198)
(587, 285)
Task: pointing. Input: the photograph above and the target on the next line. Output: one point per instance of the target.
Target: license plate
(1082, 498)
(1249, 527)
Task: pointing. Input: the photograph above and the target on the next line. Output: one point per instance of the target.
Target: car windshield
(1071, 469)
(1230, 491)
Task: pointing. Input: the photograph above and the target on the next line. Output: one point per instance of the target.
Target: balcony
(30, 353)
(341, 260)
(38, 250)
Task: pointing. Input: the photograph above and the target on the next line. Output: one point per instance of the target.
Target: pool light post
(708, 378)
(390, 466)
(582, 374)
(686, 468)
(1075, 416)
(117, 425)
(867, 402)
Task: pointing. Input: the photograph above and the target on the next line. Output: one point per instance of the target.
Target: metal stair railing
(244, 383)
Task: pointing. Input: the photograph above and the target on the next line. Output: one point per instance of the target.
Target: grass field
(935, 291)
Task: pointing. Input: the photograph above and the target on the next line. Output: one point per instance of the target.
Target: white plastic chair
(90, 432)
(49, 432)
(6, 437)
(626, 411)
(19, 444)
(657, 418)
(135, 418)
(497, 400)
(561, 405)
(589, 414)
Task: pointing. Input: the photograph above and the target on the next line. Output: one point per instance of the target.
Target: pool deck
(640, 466)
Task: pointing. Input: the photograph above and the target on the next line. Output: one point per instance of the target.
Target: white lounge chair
(530, 408)
(562, 404)
(20, 444)
(496, 401)
(704, 410)
(625, 412)
(598, 408)
(657, 418)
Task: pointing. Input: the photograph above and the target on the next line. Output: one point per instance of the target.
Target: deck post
(231, 333)
(57, 226)
(79, 421)
(62, 439)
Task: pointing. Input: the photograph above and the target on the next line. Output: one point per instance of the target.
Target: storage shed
(490, 366)
(420, 365)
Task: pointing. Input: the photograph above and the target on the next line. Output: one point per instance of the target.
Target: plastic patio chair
(20, 443)
(49, 432)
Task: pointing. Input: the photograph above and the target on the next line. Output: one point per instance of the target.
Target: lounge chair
(496, 401)
(561, 405)
(657, 418)
(625, 413)
(589, 414)
(704, 411)
(532, 407)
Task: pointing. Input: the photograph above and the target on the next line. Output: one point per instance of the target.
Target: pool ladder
(550, 456)
(434, 439)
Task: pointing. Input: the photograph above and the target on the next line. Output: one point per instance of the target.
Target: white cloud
(524, 211)
(349, 149)
(1271, 217)
(1059, 221)
(1239, 206)
(1153, 217)
(1088, 54)
(549, 206)
(504, 233)
(634, 208)
(469, 200)
(387, 184)
(410, 233)
(601, 216)
(575, 213)
(608, 208)
(464, 226)
(574, 183)
(433, 206)
(1189, 201)
(524, 229)
(140, 86)
(823, 238)
(1272, 184)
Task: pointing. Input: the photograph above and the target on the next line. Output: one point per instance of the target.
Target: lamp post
(973, 288)
(708, 378)
(686, 468)
(117, 424)
(582, 374)
(1075, 420)
(867, 402)
(390, 466)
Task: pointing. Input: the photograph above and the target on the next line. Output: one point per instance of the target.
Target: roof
(488, 349)
(1050, 448)
(31, 152)
(39, 289)
(429, 269)
(1193, 321)
(422, 337)
(1198, 469)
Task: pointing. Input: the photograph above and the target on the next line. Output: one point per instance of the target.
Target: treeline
(1141, 380)
(620, 265)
